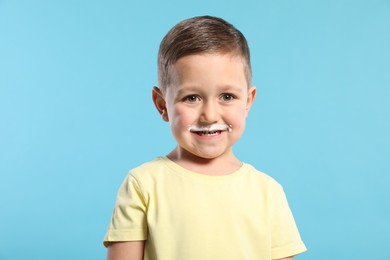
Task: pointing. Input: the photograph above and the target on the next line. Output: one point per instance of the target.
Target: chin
(210, 155)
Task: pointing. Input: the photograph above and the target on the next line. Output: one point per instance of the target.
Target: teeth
(208, 133)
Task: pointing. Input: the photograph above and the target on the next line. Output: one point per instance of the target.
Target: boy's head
(205, 92)
(200, 35)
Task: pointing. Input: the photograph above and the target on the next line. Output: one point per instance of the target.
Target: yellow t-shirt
(184, 215)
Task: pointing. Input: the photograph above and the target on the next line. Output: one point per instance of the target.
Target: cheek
(237, 118)
(181, 118)
(237, 115)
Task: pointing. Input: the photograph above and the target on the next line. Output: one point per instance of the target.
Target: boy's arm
(131, 250)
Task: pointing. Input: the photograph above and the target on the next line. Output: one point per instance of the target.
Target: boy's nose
(210, 113)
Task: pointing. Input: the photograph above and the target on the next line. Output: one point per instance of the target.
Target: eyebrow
(196, 89)
(182, 91)
(231, 88)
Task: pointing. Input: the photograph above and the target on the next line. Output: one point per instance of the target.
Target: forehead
(210, 68)
(207, 74)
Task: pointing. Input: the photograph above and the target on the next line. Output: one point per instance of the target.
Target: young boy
(200, 202)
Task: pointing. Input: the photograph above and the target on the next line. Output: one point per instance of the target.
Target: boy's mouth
(207, 133)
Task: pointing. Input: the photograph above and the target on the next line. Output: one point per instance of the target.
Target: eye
(191, 98)
(227, 97)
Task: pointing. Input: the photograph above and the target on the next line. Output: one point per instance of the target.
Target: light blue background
(76, 115)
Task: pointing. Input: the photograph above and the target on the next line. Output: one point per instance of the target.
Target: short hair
(201, 34)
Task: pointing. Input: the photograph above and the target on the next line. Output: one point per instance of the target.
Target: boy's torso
(186, 215)
(192, 216)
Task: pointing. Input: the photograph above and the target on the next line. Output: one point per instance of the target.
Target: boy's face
(207, 105)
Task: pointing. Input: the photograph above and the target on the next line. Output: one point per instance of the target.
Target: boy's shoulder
(261, 177)
(151, 167)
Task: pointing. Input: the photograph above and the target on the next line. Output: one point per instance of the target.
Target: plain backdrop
(76, 114)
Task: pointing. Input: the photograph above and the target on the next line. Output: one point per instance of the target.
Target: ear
(250, 99)
(159, 102)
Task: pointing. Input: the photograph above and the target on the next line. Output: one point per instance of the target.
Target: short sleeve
(128, 222)
(286, 240)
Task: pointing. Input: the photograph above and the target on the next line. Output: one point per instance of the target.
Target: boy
(200, 202)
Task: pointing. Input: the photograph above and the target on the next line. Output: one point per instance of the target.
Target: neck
(221, 165)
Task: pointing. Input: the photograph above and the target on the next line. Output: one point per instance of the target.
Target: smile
(207, 133)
